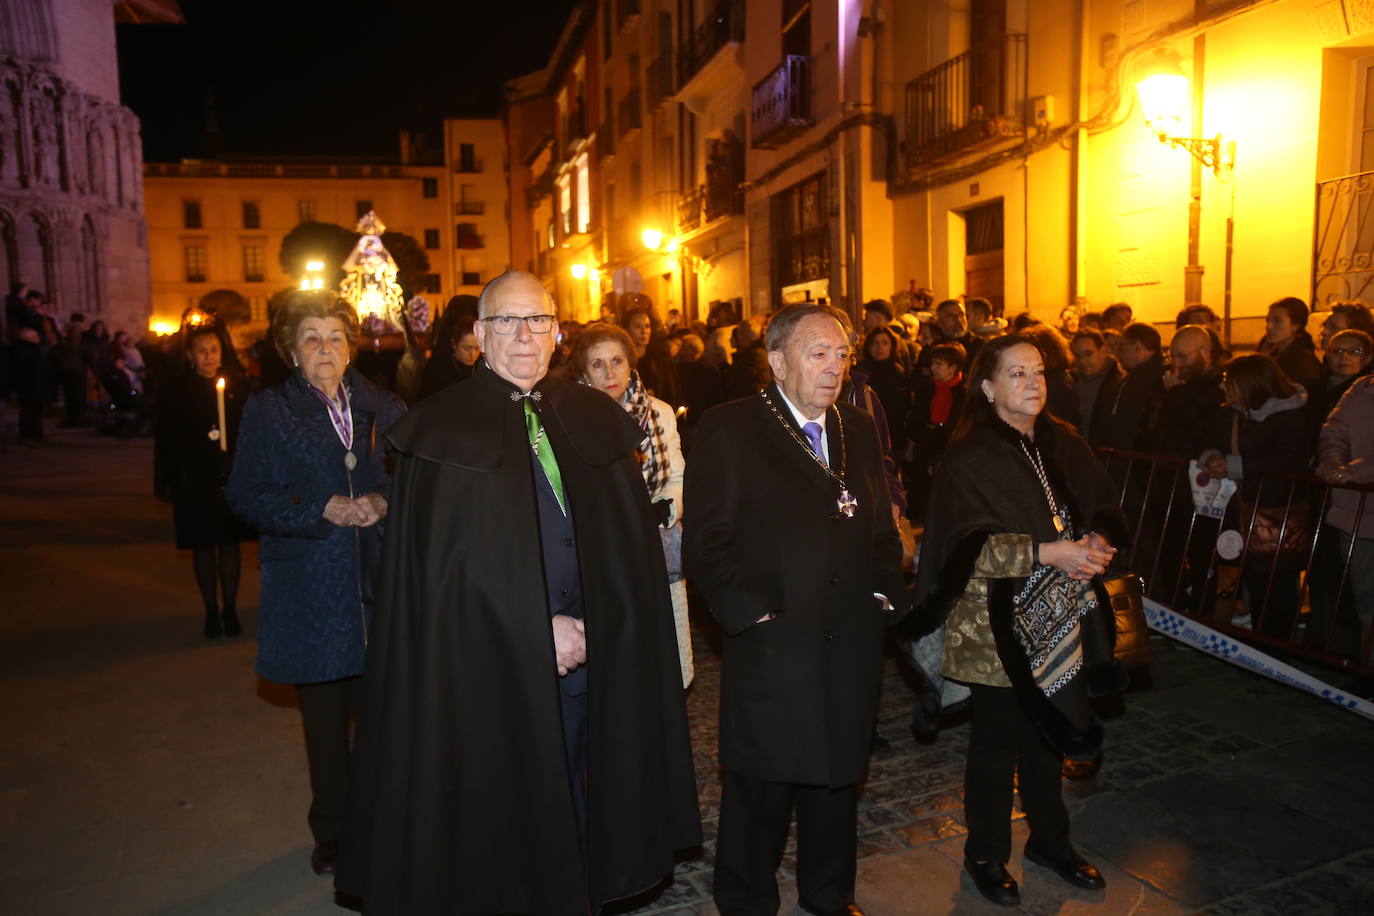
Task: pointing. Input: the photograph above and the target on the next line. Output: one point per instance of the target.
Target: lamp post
(1164, 89)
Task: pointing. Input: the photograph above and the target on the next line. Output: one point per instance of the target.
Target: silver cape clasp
(535, 396)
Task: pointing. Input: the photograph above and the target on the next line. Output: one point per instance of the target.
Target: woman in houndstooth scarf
(603, 358)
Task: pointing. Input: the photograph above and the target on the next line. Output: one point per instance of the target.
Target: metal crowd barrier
(1175, 549)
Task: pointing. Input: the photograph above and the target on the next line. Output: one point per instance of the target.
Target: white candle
(223, 427)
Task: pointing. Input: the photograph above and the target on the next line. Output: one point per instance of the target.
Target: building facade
(594, 178)
(1027, 166)
(823, 149)
(219, 225)
(474, 183)
(71, 196)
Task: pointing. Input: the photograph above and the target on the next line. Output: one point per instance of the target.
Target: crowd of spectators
(97, 378)
(1296, 404)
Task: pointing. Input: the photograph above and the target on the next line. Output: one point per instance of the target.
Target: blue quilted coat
(313, 623)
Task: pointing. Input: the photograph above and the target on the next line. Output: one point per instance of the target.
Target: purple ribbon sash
(339, 415)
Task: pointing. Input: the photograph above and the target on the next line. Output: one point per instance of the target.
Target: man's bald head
(1191, 350)
(523, 282)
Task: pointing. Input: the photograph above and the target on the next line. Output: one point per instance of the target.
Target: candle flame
(219, 383)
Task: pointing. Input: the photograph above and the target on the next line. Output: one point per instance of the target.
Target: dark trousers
(1003, 742)
(74, 396)
(754, 816)
(575, 745)
(31, 419)
(325, 711)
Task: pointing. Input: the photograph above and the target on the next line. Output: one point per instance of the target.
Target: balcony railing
(574, 128)
(691, 208)
(605, 139)
(541, 187)
(469, 240)
(268, 170)
(629, 114)
(468, 166)
(972, 100)
(782, 103)
(723, 25)
(721, 195)
(1343, 247)
(469, 208)
(658, 81)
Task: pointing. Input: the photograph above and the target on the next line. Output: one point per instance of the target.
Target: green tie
(544, 453)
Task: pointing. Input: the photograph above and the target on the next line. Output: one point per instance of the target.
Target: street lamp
(578, 271)
(652, 239)
(1163, 90)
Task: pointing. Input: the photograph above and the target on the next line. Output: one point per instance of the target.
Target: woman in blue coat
(309, 476)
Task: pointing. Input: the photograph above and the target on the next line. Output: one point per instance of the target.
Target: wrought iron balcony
(690, 208)
(541, 188)
(469, 208)
(1343, 250)
(605, 138)
(574, 128)
(782, 103)
(658, 81)
(724, 25)
(630, 116)
(969, 101)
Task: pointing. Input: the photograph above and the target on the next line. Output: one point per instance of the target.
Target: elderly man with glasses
(523, 746)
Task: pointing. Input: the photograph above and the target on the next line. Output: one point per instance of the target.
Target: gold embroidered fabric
(970, 650)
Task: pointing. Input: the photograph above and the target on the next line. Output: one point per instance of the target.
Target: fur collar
(1294, 401)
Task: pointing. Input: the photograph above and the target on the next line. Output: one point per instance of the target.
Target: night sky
(304, 77)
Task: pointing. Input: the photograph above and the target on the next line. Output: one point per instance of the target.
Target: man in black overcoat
(793, 544)
(523, 743)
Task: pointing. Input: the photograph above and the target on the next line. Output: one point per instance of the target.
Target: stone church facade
(71, 195)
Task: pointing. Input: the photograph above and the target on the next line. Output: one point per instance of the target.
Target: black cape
(460, 798)
(986, 486)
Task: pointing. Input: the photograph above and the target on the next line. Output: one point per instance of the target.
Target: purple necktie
(813, 432)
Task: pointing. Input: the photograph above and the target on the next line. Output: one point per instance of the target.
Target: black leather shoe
(1072, 867)
(232, 627)
(213, 628)
(993, 882)
(322, 859)
(851, 910)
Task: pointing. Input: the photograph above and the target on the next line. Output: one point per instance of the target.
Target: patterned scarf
(653, 452)
(1047, 624)
(1049, 609)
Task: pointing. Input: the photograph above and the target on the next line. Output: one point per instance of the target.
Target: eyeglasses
(1346, 351)
(506, 325)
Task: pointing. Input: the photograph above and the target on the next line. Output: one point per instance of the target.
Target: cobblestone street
(150, 771)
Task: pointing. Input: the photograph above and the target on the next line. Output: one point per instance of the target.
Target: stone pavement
(146, 770)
